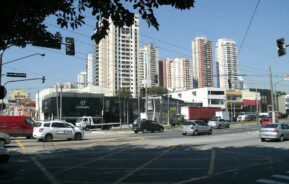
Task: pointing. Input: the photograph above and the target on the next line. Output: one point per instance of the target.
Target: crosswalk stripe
(269, 181)
(281, 176)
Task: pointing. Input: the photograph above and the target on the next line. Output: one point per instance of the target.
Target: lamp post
(1, 61)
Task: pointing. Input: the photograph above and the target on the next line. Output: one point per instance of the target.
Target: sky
(209, 18)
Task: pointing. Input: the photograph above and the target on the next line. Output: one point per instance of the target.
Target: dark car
(146, 125)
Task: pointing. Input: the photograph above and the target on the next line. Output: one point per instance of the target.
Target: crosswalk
(276, 179)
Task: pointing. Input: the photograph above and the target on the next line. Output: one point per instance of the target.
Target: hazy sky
(210, 18)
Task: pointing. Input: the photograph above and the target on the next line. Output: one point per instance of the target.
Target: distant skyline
(211, 19)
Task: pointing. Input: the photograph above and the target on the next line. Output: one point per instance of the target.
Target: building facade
(180, 74)
(82, 80)
(161, 74)
(208, 96)
(117, 58)
(91, 70)
(166, 65)
(148, 64)
(227, 65)
(202, 63)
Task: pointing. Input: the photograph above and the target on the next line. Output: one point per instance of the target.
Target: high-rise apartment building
(92, 70)
(117, 57)
(227, 64)
(180, 74)
(161, 75)
(166, 66)
(148, 64)
(202, 63)
(82, 80)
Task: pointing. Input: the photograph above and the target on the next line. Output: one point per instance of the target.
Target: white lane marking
(142, 166)
(212, 162)
(269, 181)
(281, 176)
(51, 178)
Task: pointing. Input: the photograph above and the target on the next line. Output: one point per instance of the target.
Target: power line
(251, 20)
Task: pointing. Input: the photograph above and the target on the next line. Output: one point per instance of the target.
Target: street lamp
(1, 63)
(41, 54)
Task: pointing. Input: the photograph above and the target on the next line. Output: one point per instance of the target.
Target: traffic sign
(3, 92)
(12, 74)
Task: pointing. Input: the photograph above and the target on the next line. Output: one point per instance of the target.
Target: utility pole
(38, 109)
(1, 56)
(147, 99)
(272, 95)
(57, 102)
(60, 107)
(257, 106)
(168, 108)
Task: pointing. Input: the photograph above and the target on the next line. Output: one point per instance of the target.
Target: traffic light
(156, 79)
(143, 92)
(70, 48)
(281, 47)
(43, 79)
(3, 92)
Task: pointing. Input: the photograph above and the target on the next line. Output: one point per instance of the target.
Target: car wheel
(281, 139)
(263, 140)
(152, 131)
(228, 126)
(2, 142)
(196, 132)
(210, 132)
(184, 133)
(48, 138)
(136, 131)
(77, 136)
(219, 126)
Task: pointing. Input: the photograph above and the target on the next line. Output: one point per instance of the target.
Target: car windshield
(37, 124)
(79, 120)
(188, 123)
(270, 126)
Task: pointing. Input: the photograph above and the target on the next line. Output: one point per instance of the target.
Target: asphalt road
(235, 155)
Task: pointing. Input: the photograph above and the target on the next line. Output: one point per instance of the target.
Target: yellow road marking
(20, 144)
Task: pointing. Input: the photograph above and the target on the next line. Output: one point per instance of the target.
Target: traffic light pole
(272, 95)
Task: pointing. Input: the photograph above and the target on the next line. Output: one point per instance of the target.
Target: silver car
(219, 123)
(279, 131)
(196, 127)
(4, 139)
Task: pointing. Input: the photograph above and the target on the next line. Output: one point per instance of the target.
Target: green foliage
(157, 90)
(124, 93)
(280, 93)
(23, 21)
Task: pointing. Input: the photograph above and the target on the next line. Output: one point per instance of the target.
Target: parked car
(196, 127)
(4, 139)
(268, 120)
(144, 125)
(4, 155)
(250, 117)
(219, 123)
(47, 131)
(17, 126)
(278, 131)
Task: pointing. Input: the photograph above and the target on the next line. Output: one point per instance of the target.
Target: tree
(23, 21)
(157, 90)
(280, 93)
(124, 93)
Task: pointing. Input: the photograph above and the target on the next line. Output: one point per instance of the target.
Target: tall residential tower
(227, 64)
(148, 64)
(117, 56)
(202, 63)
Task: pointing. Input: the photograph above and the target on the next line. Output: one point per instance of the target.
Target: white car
(49, 130)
